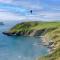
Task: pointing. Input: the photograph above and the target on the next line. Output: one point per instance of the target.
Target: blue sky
(43, 10)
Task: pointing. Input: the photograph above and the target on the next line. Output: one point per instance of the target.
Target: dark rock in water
(8, 33)
(18, 34)
(1, 23)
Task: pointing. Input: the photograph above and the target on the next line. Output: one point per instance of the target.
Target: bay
(20, 48)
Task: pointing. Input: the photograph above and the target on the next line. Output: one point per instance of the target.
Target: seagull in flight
(31, 11)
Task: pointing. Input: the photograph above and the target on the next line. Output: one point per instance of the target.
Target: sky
(42, 10)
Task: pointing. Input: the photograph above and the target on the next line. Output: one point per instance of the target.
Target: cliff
(50, 31)
(32, 28)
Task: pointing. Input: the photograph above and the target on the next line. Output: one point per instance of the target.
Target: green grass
(34, 25)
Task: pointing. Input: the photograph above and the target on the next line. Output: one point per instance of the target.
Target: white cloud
(28, 5)
(51, 14)
(6, 1)
(38, 14)
(23, 3)
(43, 16)
(5, 15)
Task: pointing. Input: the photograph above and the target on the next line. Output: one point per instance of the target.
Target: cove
(20, 48)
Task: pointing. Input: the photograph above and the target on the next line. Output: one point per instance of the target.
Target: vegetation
(23, 27)
(26, 26)
(52, 30)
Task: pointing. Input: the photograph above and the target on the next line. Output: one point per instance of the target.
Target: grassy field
(53, 31)
(34, 26)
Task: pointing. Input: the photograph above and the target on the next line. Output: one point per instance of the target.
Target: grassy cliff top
(35, 25)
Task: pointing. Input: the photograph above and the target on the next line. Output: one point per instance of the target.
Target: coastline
(45, 40)
(48, 31)
(48, 43)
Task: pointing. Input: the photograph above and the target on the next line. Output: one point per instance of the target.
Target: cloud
(24, 3)
(5, 15)
(20, 10)
(6, 1)
(28, 5)
(43, 16)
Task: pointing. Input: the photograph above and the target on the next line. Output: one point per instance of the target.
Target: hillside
(46, 29)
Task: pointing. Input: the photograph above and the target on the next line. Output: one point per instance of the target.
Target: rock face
(29, 29)
(37, 32)
(30, 33)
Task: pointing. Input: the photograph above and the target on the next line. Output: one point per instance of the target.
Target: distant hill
(1, 23)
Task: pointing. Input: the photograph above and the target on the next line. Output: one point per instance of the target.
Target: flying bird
(31, 11)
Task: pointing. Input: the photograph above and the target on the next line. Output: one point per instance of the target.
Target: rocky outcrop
(28, 33)
(8, 33)
(1, 23)
(38, 33)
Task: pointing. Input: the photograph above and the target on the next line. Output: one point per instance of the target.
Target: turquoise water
(20, 48)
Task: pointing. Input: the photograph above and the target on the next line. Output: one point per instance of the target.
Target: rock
(8, 33)
(1, 23)
(50, 43)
